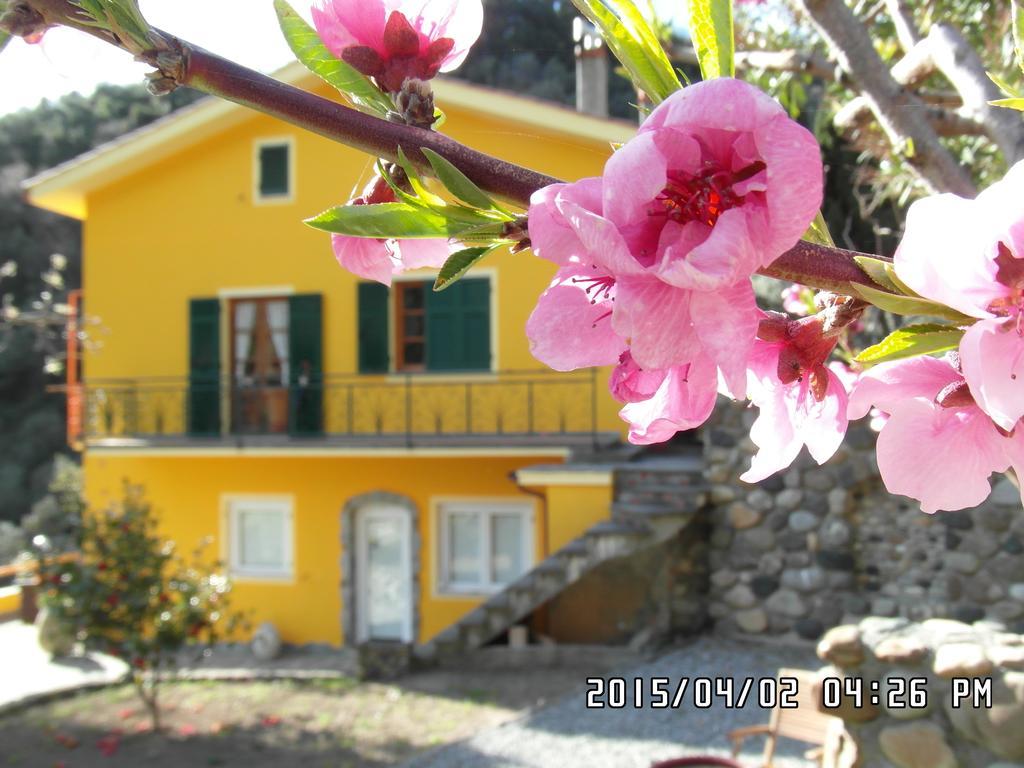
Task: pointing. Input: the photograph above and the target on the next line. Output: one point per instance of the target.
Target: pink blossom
(632, 384)
(718, 183)
(794, 301)
(682, 399)
(937, 445)
(379, 260)
(969, 255)
(392, 40)
(801, 400)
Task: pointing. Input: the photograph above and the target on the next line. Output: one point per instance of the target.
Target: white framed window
(274, 171)
(259, 537)
(483, 545)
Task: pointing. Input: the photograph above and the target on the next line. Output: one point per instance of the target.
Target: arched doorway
(380, 569)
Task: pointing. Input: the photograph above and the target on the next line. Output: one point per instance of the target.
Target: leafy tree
(31, 420)
(131, 596)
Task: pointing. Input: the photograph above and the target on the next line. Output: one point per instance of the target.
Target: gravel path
(567, 734)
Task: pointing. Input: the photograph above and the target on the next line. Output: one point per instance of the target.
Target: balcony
(510, 409)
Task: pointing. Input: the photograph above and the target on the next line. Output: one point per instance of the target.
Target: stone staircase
(653, 501)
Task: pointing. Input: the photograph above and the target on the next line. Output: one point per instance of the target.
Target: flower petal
(629, 383)
(888, 384)
(365, 257)
(726, 323)
(551, 236)
(684, 401)
(940, 456)
(423, 253)
(795, 184)
(944, 257)
(992, 355)
(774, 434)
(656, 318)
(567, 331)
(825, 424)
(633, 177)
(724, 256)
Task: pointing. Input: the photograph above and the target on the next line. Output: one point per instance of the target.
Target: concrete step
(660, 492)
(634, 511)
(616, 528)
(573, 548)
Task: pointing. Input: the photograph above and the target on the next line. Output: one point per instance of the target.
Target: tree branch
(899, 112)
(906, 30)
(961, 65)
(212, 74)
(790, 60)
(817, 266)
(856, 115)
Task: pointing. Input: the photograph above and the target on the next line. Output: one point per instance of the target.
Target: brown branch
(962, 66)
(903, 19)
(831, 269)
(812, 63)
(898, 111)
(212, 74)
(945, 50)
(857, 116)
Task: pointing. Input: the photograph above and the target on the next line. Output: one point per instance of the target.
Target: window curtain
(277, 316)
(245, 324)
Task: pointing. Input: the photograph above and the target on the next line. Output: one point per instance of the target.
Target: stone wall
(936, 694)
(814, 546)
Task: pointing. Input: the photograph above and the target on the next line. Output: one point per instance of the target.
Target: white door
(384, 574)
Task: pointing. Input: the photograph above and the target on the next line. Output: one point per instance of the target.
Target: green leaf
(1014, 103)
(1003, 86)
(879, 271)
(711, 27)
(311, 51)
(5, 38)
(459, 264)
(908, 305)
(911, 341)
(456, 182)
(385, 221)
(635, 44)
(818, 232)
(423, 195)
(1018, 32)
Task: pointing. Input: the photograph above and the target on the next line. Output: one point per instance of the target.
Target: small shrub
(129, 595)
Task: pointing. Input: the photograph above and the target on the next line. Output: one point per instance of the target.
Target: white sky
(243, 30)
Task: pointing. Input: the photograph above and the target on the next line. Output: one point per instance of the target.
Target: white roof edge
(207, 117)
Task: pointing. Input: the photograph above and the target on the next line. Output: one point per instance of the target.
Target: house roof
(65, 188)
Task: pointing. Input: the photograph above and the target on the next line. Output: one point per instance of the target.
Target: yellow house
(372, 464)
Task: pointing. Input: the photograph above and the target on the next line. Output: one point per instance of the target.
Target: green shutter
(305, 355)
(459, 327)
(274, 172)
(204, 367)
(373, 328)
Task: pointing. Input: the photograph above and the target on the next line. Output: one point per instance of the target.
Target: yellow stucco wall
(187, 227)
(571, 509)
(10, 600)
(188, 494)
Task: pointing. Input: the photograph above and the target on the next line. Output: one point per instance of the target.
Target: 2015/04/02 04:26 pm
(771, 692)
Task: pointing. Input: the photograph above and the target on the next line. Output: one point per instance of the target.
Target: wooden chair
(804, 723)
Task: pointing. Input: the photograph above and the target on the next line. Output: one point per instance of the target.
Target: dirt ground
(337, 723)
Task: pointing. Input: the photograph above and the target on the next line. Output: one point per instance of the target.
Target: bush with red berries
(131, 596)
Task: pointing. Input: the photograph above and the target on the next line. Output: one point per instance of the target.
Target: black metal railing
(398, 407)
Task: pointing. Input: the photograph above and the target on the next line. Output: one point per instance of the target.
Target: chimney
(591, 69)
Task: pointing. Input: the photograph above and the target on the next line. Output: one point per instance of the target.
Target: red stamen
(704, 197)
(598, 288)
